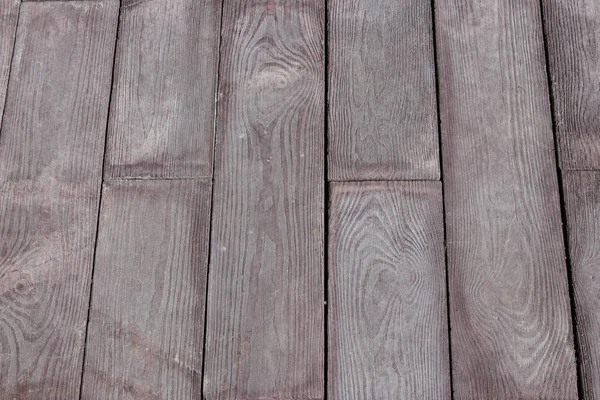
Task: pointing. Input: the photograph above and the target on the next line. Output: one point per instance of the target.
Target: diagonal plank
(51, 149)
(582, 198)
(9, 14)
(265, 299)
(163, 102)
(382, 101)
(388, 333)
(147, 313)
(509, 301)
(573, 35)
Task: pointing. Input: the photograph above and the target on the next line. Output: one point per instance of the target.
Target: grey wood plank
(9, 14)
(573, 36)
(51, 150)
(163, 107)
(509, 302)
(582, 203)
(147, 313)
(382, 100)
(265, 298)
(388, 332)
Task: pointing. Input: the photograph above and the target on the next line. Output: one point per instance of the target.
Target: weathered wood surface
(265, 299)
(573, 34)
(509, 302)
(582, 197)
(382, 101)
(147, 318)
(51, 149)
(163, 107)
(9, 13)
(388, 332)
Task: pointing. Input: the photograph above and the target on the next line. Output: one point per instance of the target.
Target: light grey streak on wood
(9, 14)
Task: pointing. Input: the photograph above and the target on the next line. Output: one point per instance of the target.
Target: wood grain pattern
(509, 302)
(573, 35)
(51, 150)
(582, 202)
(382, 101)
(147, 317)
(265, 302)
(162, 113)
(9, 14)
(388, 332)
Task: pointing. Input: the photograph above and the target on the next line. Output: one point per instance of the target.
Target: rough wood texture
(573, 34)
(382, 105)
(582, 198)
(9, 14)
(509, 302)
(265, 303)
(162, 113)
(388, 333)
(147, 318)
(51, 150)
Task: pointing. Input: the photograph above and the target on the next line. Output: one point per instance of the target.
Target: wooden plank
(9, 14)
(147, 318)
(573, 36)
(582, 201)
(382, 101)
(162, 113)
(265, 299)
(51, 151)
(388, 332)
(509, 302)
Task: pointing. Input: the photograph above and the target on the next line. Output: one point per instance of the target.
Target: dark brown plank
(9, 13)
(265, 302)
(509, 302)
(582, 198)
(382, 105)
(147, 317)
(162, 113)
(51, 150)
(573, 35)
(388, 332)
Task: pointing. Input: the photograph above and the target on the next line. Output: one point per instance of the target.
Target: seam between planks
(326, 201)
(563, 213)
(163, 178)
(385, 180)
(12, 56)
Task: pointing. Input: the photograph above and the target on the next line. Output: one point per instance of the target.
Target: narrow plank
(582, 202)
(382, 101)
(51, 151)
(388, 332)
(509, 302)
(162, 113)
(9, 14)
(265, 299)
(147, 318)
(573, 36)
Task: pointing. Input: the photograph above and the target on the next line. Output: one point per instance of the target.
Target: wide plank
(388, 332)
(51, 149)
(582, 202)
(146, 325)
(509, 299)
(573, 37)
(163, 105)
(265, 299)
(382, 100)
(9, 14)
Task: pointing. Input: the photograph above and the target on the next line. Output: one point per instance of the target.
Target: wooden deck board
(382, 101)
(573, 34)
(147, 313)
(265, 300)
(388, 332)
(51, 148)
(582, 198)
(510, 316)
(9, 14)
(163, 106)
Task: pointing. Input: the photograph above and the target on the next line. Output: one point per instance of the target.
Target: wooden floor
(300, 199)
